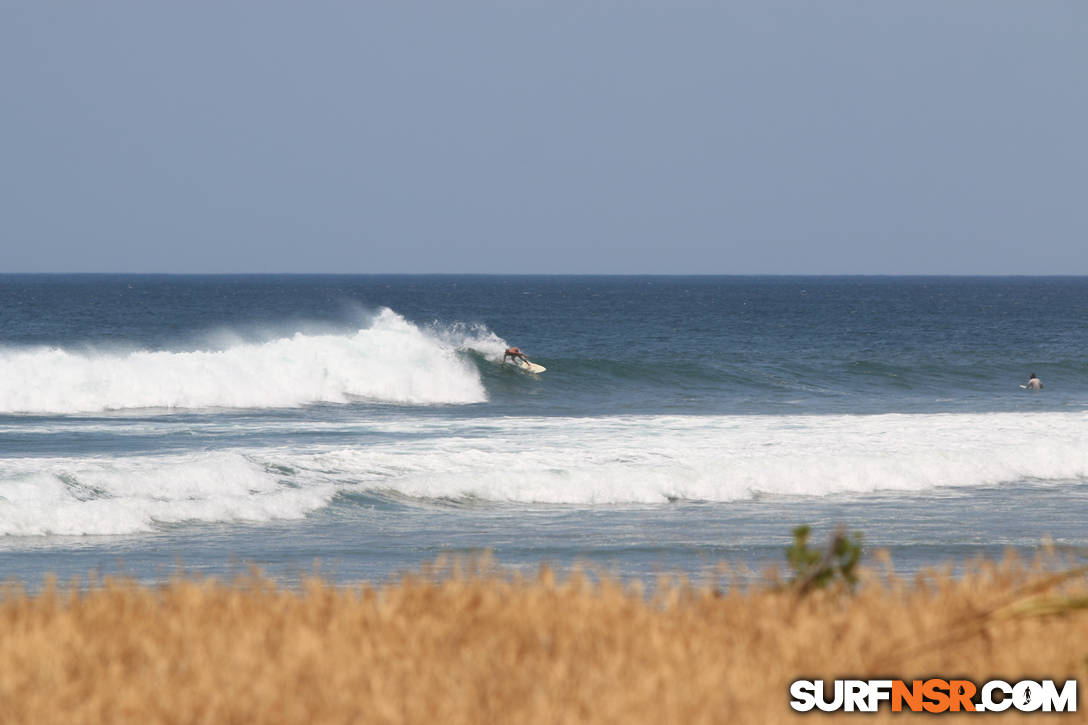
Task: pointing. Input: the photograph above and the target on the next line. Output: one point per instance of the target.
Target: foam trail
(72, 497)
(569, 461)
(654, 459)
(390, 361)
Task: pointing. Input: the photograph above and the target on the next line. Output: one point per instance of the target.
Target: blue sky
(920, 137)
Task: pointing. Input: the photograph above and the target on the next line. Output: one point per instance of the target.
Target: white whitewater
(389, 361)
(579, 461)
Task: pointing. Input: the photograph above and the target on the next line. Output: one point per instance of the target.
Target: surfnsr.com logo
(934, 696)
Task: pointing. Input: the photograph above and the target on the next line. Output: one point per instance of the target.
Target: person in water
(1034, 383)
(514, 354)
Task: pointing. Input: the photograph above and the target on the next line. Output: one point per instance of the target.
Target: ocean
(362, 426)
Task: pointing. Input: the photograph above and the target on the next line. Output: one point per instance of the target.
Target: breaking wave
(569, 461)
(391, 361)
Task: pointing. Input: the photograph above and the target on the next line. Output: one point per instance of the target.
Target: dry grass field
(484, 646)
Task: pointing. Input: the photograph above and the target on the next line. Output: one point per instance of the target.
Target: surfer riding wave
(515, 354)
(521, 361)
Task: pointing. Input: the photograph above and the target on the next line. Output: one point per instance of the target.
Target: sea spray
(390, 361)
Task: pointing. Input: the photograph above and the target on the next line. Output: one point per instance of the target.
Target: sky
(403, 136)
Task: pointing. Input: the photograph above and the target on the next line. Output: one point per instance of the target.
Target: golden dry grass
(488, 647)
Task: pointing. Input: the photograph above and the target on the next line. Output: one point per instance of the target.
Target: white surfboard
(529, 367)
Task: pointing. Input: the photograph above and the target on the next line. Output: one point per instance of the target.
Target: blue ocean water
(367, 423)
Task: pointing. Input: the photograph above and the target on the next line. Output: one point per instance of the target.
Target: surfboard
(529, 367)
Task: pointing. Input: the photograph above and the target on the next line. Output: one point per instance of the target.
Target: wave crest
(391, 361)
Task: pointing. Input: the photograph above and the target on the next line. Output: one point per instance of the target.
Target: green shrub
(816, 569)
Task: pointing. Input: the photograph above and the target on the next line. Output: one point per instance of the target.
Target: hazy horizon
(560, 274)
